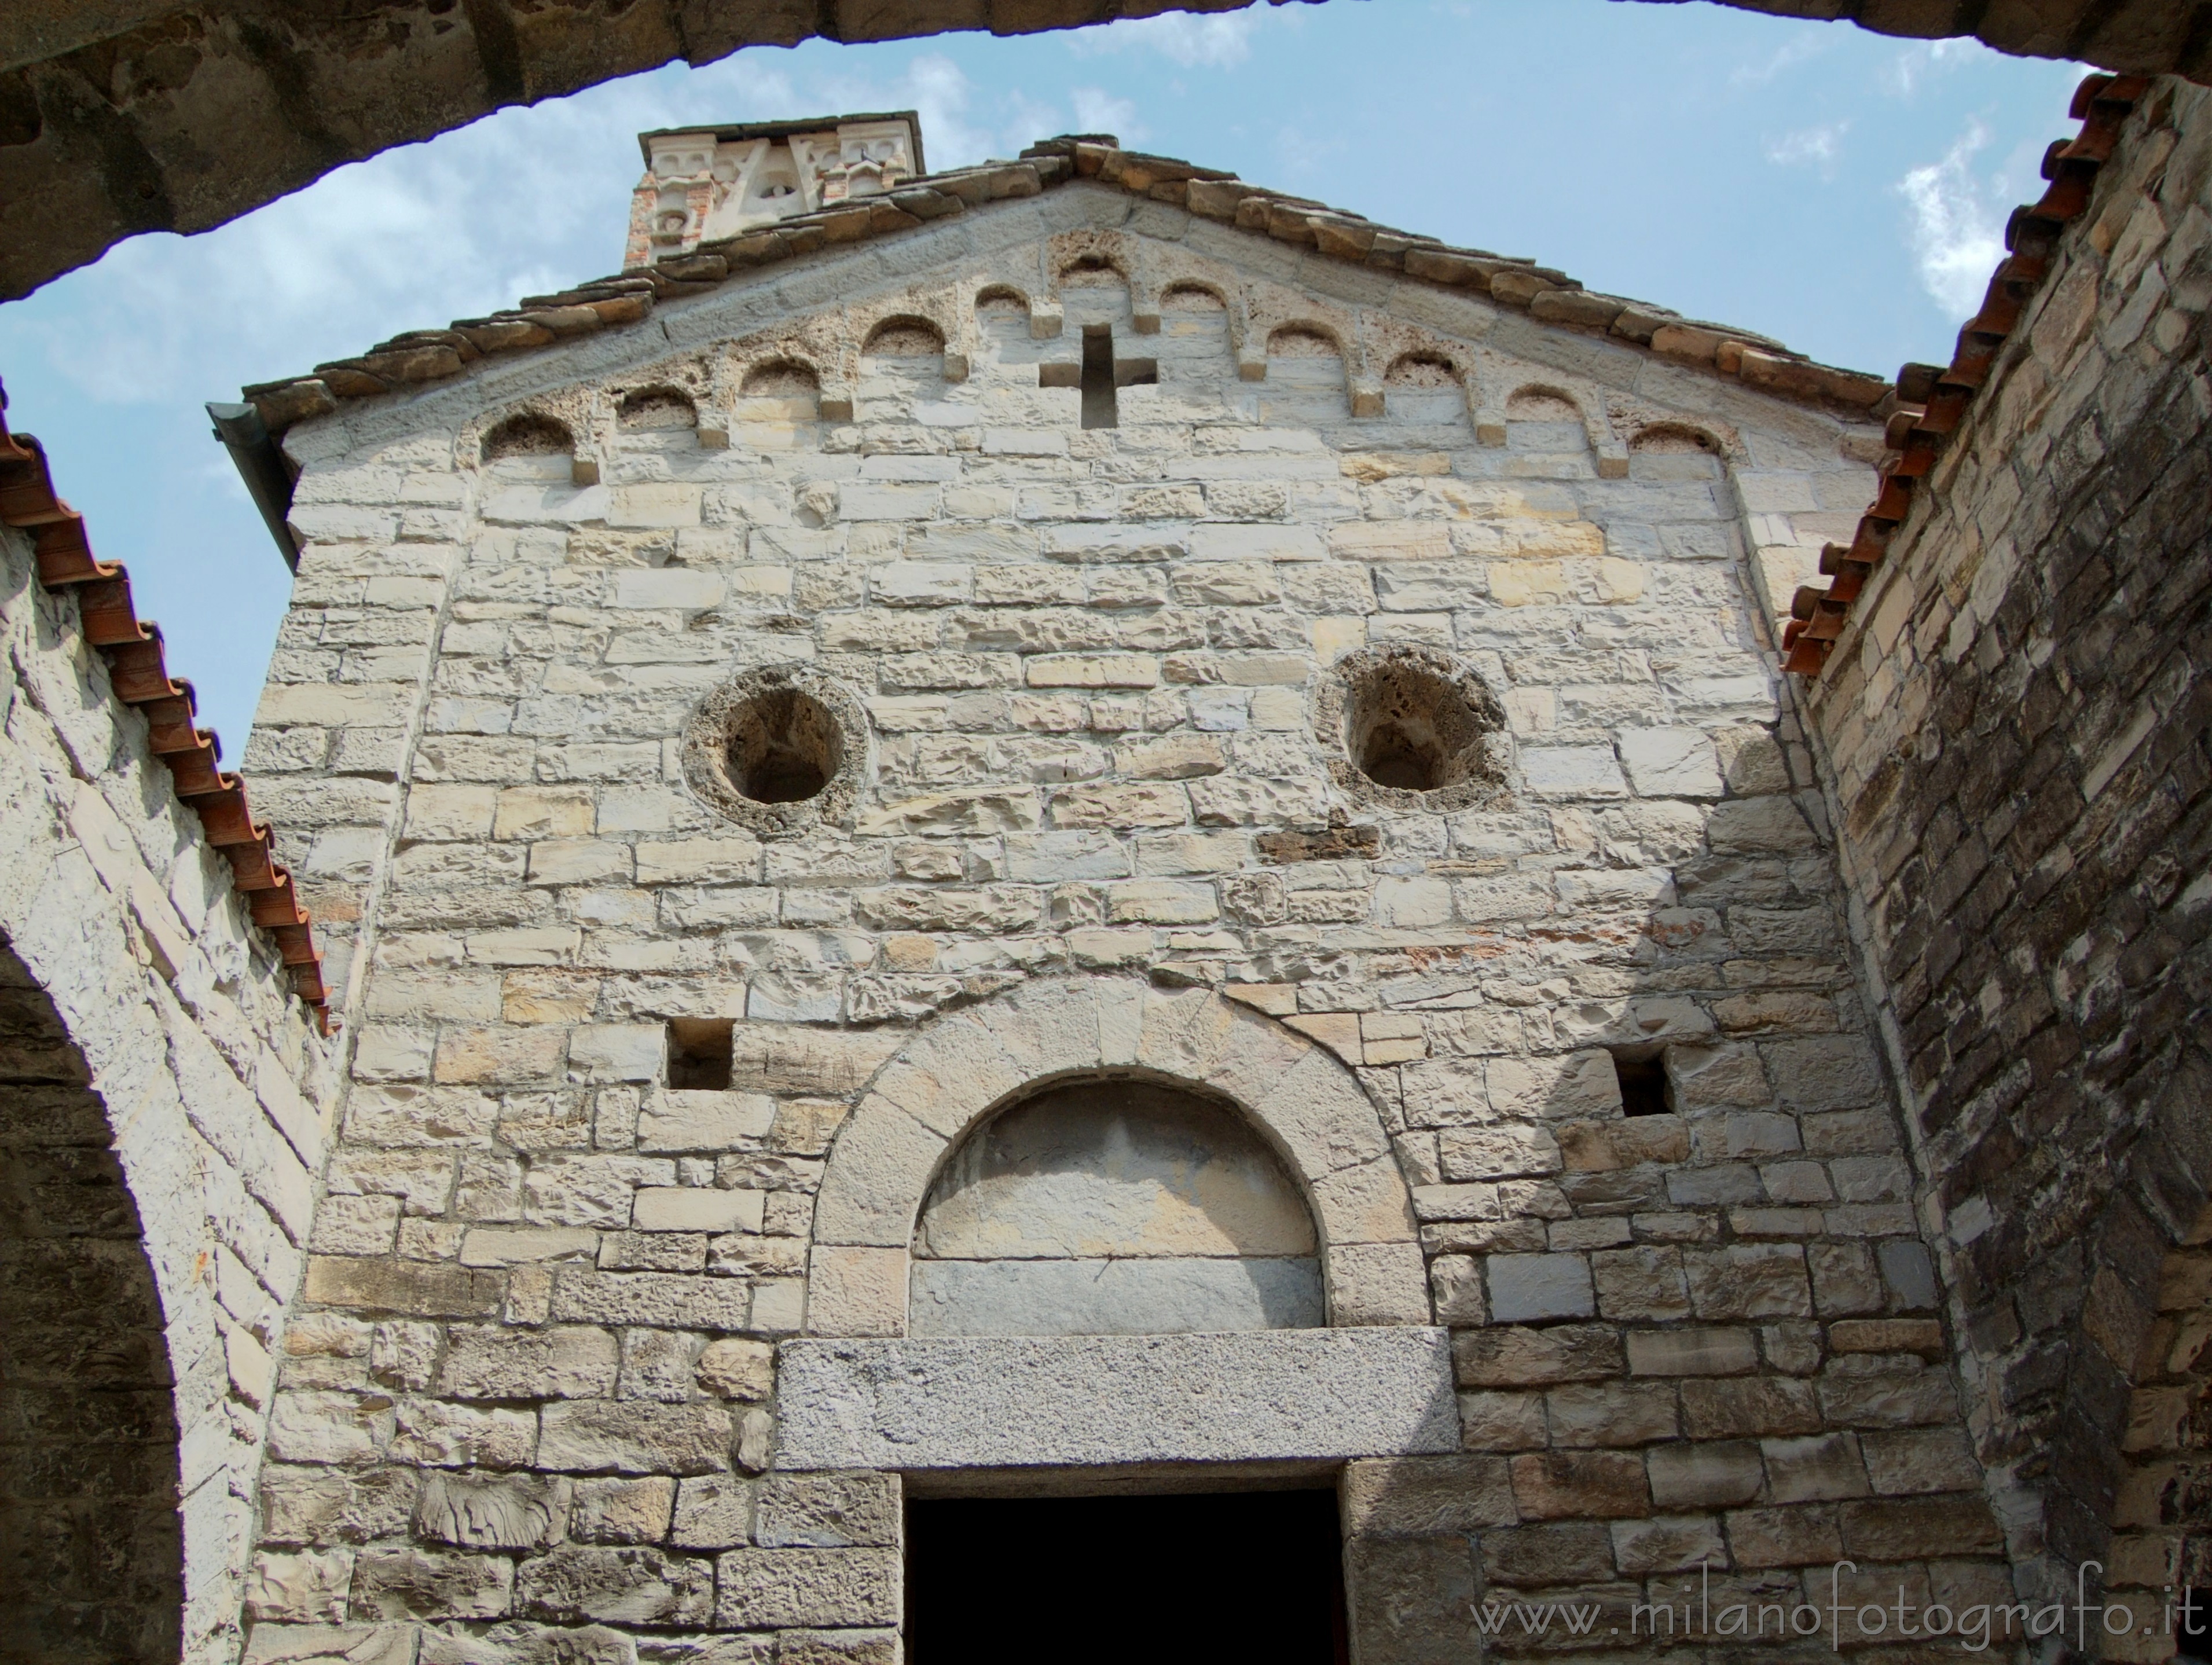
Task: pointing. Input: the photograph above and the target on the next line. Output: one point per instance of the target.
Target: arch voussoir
(958, 1070)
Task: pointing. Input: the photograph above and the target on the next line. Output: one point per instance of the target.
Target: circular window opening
(1410, 720)
(777, 749)
(784, 747)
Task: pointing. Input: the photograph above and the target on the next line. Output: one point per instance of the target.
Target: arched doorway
(91, 1543)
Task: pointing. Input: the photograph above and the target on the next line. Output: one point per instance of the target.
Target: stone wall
(123, 115)
(2016, 724)
(1080, 698)
(159, 1138)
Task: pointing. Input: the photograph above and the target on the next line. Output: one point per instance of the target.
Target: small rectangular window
(1644, 1088)
(699, 1054)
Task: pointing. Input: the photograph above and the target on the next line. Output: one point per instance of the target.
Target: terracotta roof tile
(1933, 399)
(140, 675)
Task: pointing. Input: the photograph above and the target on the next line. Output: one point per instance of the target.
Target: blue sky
(1841, 191)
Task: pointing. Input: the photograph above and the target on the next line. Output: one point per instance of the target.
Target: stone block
(1919, 1460)
(436, 1434)
(856, 1290)
(500, 1362)
(1888, 1398)
(1611, 1413)
(829, 1511)
(1575, 1552)
(623, 1511)
(1923, 1336)
(1817, 1469)
(493, 1511)
(713, 1511)
(735, 1368)
(704, 1122)
(1844, 1281)
(1669, 763)
(1727, 1408)
(1455, 1290)
(1705, 1475)
(335, 1505)
(1785, 1537)
(406, 1583)
(1909, 1274)
(1412, 1600)
(1501, 1151)
(967, 1402)
(413, 1288)
(306, 1587)
(1570, 773)
(1691, 1352)
(1550, 1486)
(635, 1437)
(1534, 1287)
(1749, 1281)
(1376, 1284)
(697, 1208)
(630, 1585)
(1920, 1528)
(667, 1300)
(848, 1647)
(1513, 1356)
(601, 1053)
(1426, 1497)
(1823, 1071)
(1669, 1543)
(768, 1588)
(1503, 1421)
(1645, 1282)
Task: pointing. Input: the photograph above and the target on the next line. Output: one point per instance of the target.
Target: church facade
(1014, 864)
(1084, 851)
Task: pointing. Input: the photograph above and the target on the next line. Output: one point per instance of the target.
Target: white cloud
(1800, 48)
(1957, 238)
(1098, 111)
(1923, 61)
(1220, 40)
(1818, 145)
(524, 202)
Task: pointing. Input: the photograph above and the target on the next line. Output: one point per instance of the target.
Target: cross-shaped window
(1099, 375)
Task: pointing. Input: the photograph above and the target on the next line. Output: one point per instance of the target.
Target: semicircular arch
(961, 1068)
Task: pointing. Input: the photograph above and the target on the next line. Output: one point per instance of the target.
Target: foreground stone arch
(121, 117)
(91, 1548)
(156, 1185)
(960, 1068)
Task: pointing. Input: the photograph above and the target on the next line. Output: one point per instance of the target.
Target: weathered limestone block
(486, 1511)
(633, 1436)
(633, 1586)
(769, 1588)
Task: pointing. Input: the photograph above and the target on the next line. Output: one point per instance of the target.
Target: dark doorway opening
(1176, 1580)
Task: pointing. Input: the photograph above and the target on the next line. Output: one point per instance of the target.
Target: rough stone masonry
(1133, 836)
(730, 757)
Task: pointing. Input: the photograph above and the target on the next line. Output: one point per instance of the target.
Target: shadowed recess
(1115, 1207)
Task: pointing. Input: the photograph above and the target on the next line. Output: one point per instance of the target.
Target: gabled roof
(416, 356)
(139, 674)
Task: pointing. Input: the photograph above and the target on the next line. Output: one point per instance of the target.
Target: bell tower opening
(1188, 1579)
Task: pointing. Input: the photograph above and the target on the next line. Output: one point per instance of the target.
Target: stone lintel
(1101, 1401)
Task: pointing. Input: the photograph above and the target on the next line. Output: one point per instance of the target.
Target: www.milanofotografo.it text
(1975, 1628)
